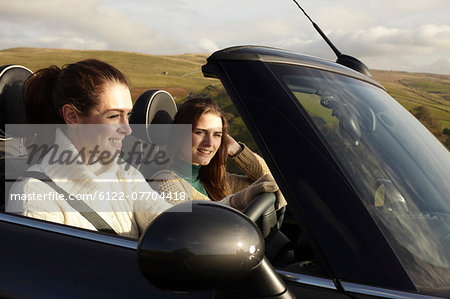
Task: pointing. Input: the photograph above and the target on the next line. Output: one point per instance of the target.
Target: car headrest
(151, 108)
(12, 107)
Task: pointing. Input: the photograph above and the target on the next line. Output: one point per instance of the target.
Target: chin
(202, 162)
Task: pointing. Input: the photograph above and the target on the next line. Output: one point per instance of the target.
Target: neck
(186, 169)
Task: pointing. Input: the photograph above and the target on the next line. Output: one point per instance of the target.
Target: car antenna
(342, 59)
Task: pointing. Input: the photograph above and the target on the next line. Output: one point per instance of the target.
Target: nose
(207, 140)
(125, 128)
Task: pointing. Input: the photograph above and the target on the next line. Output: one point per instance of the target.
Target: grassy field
(415, 89)
(181, 75)
(178, 74)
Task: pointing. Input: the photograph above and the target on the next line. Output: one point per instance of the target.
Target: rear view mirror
(348, 120)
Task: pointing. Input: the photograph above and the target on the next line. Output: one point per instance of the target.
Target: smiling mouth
(116, 141)
(204, 152)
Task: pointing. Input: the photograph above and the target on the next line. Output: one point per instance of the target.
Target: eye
(218, 135)
(199, 132)
(114, 116)
(129, 114)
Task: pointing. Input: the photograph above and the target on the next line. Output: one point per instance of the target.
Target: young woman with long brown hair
(199, 172)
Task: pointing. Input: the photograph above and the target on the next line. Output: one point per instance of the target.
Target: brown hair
(79, 84)
(213, 175)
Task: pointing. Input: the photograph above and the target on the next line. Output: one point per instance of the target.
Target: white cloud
(381, 31)
(334, 18)
(406, 6)
(440, 66)
(84, 19)
(427, 39)
(207, 45)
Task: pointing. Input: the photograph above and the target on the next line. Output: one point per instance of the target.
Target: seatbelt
(80, 206)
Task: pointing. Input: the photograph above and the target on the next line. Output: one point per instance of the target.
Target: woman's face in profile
(206, 138)
(106, 125)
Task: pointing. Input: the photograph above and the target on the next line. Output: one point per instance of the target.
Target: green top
(189, 173)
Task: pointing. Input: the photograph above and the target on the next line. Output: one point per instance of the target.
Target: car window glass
(399, 169)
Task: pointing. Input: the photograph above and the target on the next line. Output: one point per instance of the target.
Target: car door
(43, 259)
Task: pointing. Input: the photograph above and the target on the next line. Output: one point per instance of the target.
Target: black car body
(367, 186)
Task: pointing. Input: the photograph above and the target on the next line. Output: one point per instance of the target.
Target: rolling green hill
(178, 74)
(427, 96)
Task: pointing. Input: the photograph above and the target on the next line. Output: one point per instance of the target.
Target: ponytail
(38, 97)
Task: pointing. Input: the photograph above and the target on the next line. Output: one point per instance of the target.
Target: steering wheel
(261, 210)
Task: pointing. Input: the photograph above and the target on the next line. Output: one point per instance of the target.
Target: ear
(70, 115)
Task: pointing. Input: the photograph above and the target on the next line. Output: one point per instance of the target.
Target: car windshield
(398, 168)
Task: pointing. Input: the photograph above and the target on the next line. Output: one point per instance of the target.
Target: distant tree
(446, 131)
(423, 114)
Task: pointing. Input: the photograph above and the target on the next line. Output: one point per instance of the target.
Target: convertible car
(367, 187)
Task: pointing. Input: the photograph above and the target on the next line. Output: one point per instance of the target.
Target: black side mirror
(211, 247)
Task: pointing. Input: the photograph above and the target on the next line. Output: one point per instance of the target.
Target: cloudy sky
(406, 35)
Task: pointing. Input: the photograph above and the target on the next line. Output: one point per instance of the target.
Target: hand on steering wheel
(243, 198)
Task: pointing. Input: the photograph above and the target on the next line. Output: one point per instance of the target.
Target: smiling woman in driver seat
(93, 102)
(198, 172)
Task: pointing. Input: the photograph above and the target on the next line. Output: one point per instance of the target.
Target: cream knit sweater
(97, 182)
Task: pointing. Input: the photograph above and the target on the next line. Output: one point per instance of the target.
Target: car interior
(285, 246)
